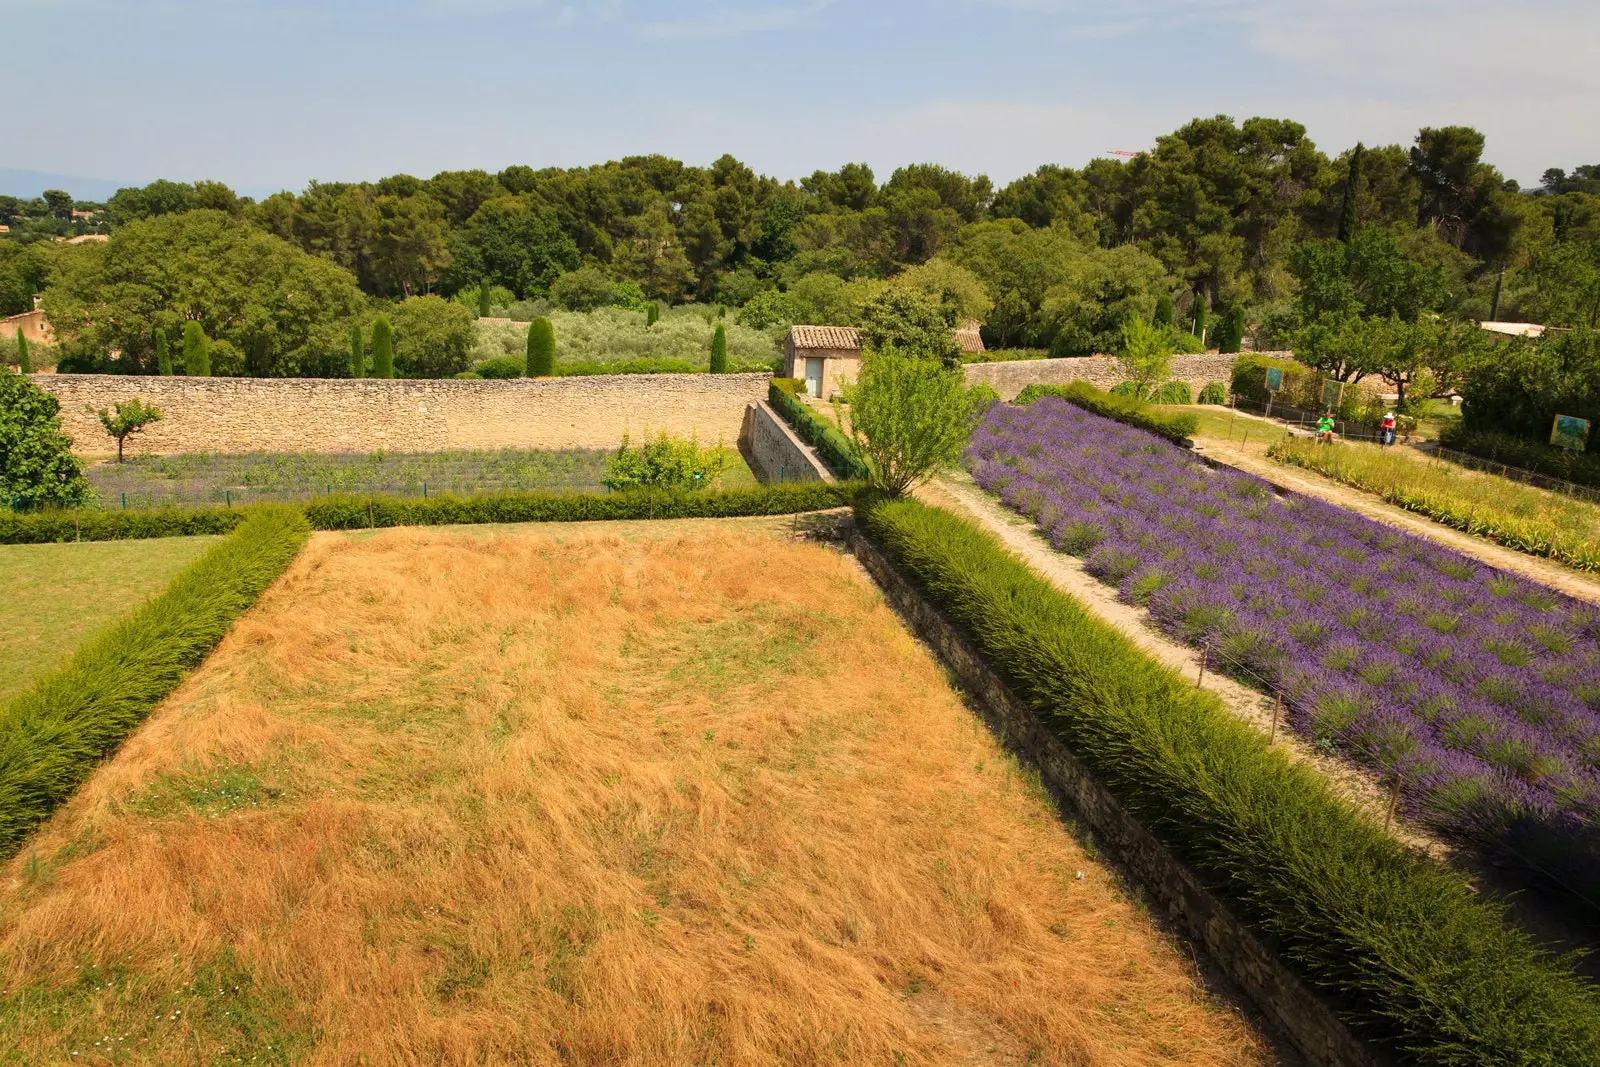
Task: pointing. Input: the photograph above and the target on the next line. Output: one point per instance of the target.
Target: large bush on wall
(1302, 387)
(37, 468)
(1521, 386)
(433, 337)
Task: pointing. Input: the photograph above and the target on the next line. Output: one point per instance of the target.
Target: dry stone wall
(775, 452)
(1010, 378)
(365, 415)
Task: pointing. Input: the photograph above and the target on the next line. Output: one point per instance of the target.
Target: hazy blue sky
(265, 94)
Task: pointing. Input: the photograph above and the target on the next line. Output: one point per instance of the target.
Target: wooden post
(371, 522)
(1277, 709)
(1394, 802)
(1198, 682)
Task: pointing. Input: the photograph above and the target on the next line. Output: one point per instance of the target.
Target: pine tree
(1164, 310)
(652, 314)
(196, 351)
(382, 348)
(719, 350)
(483, 299)
(358, 355)
(1352, 186)
(1200, 316)
(163, 355)
(541, 348)
(24, 357)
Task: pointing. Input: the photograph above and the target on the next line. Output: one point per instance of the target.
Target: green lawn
(54, 596)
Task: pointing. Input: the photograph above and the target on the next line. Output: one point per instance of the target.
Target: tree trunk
(119, 449)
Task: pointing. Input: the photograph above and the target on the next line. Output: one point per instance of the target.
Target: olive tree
(910, 415)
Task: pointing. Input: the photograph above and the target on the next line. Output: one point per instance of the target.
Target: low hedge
(1301, 385)
(1582, 468)
(357, 513)
(835, 449)
(1409, 956)
(53, 735)
(40, 527)
(1176, 426)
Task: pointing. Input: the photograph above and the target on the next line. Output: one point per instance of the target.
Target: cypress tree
(196, 351)
(1200, 316)
(1230, 337)
(163, 355)
(483, 299)
(541, 348)
(358, 355)
(1352, 185)
(24, 357)
(719, 350)
(652, 314)
(382, 348)
(1164, 310)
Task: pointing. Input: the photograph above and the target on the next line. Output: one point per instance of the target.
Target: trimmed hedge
(835, 449)
(1301, 385)
(359, 513)
(1582, 468)
(1409, 955)
(1176, 426)
(41, 527)
(53, 735)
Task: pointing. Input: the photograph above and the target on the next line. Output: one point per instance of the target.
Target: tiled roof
(969, 338)
(834, 337)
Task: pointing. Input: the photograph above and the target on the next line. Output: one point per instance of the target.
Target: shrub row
(835, 449)
(1538, 537)
(354, 512)
(54, 734)
(656, 365)
(1583, 468)
(1405, 951)
(1177, 427)
(37, 527)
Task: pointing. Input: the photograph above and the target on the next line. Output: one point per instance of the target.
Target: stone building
(34, 326)
(823, 356)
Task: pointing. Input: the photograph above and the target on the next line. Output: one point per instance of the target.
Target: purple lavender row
(1478, 689)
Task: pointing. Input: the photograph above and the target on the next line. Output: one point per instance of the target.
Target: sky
(268, 94)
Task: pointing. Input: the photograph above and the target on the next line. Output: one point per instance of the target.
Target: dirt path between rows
(956, 492)
(1254, 461)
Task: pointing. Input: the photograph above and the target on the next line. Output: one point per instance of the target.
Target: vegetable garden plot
(1479, 692)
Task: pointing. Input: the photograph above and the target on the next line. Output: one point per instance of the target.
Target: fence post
(1394, 801)
(124, 501)
(1277, 708)
(1205, 650)
(228, 494)
(424, 490)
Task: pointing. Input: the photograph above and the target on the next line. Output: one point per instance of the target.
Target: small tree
(1352, 188)
(483, 299)
(358, 355)
(910, 416)
(382, 348)
(1146, 355)
(652, 314)
(665, 463)
(1230, 337)
(163, 355)
(24, 357)
(541, 348)
(1164, 311)
(719, 350)
(1200, 316)
(37, 467)
(196, 351)
(131, 417)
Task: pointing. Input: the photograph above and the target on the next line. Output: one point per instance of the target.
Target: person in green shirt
(1325, 429)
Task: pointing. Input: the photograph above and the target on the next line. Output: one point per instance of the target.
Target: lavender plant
(1475, 690)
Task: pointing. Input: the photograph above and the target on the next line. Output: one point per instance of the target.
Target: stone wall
(1010, 378)
(329, 415)
(775, 452)
(1293, 1008)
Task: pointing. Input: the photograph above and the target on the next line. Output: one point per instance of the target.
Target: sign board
(1274, 379)
(1332, 393)
(1568, 431)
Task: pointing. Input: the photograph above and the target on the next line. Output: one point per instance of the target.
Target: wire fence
(1516, 474)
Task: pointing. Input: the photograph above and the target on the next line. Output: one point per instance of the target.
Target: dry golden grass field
(676, 794)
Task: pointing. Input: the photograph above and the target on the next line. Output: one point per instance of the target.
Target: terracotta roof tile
(835, 337)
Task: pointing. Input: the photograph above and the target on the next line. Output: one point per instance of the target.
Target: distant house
(34, 326)
(1514, 329)
(85, 238)
(825, 355)
(84, 215)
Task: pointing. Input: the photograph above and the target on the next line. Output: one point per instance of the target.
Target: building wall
(34, 326)
(837, 365)
(1009, 379)
(775, 452)
(323, 415)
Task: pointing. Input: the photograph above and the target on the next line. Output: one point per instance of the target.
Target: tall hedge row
(1408, 954)
(1177, 427)
(54, 734)
(834, 448)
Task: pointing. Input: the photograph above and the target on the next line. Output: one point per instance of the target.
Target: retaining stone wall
(1010, 378)
(775, 452)
(405, 415)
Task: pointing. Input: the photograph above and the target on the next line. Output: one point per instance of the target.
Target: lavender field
(1478, 691)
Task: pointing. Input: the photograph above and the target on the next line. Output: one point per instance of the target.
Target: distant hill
(30, 183)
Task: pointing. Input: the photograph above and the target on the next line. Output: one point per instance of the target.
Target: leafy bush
(433, 338)
(499, 367)
(1177, 427)
(196, 351)
(835, 450)
(1301, 386)
(1412, 957)
(541, 354)
(53, 735)
(37, 468)
(719, 350)
(46, 527)
(1524, 385)
(356, 513)
(1213, 393)
(1582, 468)
(382, 348)
(911, 416)
(1173, 392)
(665, 463)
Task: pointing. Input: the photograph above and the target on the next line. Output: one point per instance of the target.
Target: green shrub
(196, 351)
(48, 527)
(719, 350)
(37, 467)
(1411, 957)
(24, 354)
(665, 463)
(500, 367)
(164, 354)
(1126, 390)
(835, 450)
(1177, 427)
(1173, 392)
(53, 735)
(541, 348)
(1540, 457)
(1302, 388)
(355, 513)
(1213, 393)
(358, 354)
(382, 348)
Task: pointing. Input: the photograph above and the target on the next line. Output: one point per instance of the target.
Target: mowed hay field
(682, 793)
